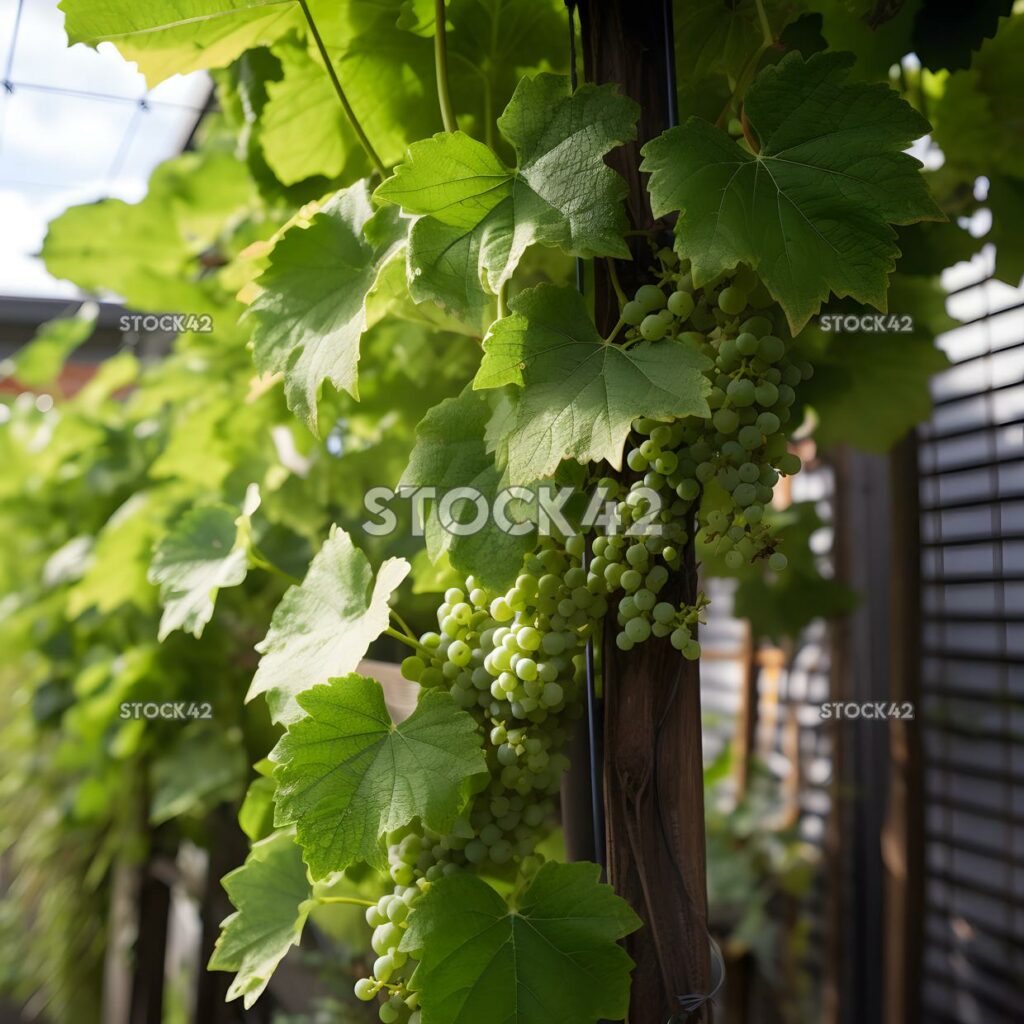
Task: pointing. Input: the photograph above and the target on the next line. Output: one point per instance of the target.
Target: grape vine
(398, 275)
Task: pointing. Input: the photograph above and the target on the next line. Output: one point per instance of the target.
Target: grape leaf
(199, 556)
(890, 374)
(811, 212)
(560, 194)
(147, 252)
(323, 627)
(172, 37)
(1006, 201)
(451, 452)
(979, 124)
(311, 307)
(550, 956)
(273, 898)
(946, 32)
(579, 394)
(781, 605)
(346, 774)
(204, 767)
(39, 363)
(303, 129)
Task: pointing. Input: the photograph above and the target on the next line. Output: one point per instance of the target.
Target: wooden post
(903, 833)
(653, 763)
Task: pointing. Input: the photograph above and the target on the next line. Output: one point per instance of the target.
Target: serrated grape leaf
(888, 374)
(551, 956)
(579, 395)
(323, 627)
(273, 898)
(311, 307)
(560, 194)
(39, 363)
(442, 267)
(171, 37)
(200, 555)
(450, 452)
(811, 212)
(202, 768)
(346, 774)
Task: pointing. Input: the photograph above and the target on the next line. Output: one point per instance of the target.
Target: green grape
(777, 562)
(734, 560)
(681, 304)
(653, 328)
(747, 344)
(789, 464)
(726, 421)
(638, 630)
(742, 392)
(650, 296)
(633, 312)
(732, 300)
(365, 990)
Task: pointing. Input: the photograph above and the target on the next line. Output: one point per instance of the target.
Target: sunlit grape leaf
(117, 570)
(560, 194)
(579, 394)
(811, 212)
(200, 555)
(273, 898)
(147, 252)
(346, 774)
(450, 453)
(39, 363)
(322, 628)
(311, 307)
(304, 130)
(170, 37)
(550, 955)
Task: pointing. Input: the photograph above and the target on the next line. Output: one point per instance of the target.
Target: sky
(59, 148)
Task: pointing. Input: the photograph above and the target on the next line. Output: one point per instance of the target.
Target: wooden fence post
(653, 763)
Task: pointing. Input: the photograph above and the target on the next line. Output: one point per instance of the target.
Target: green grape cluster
(515, 661)
(724, 469)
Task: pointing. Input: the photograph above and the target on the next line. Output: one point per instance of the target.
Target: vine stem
(349, 900)
(346, 106)
(408, 641)
(766, 29)
(441, 68)
(260, 561)
(503, 300)
(613, 276)
(405, 625)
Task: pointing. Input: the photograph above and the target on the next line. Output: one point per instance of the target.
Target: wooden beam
(903, 833)
(653, 762)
